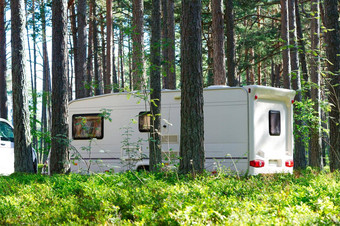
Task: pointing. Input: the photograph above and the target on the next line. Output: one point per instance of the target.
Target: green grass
(305, 198)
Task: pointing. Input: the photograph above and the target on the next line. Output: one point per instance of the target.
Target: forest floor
(304, 198)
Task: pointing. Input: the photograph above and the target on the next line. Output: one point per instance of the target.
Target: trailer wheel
(143, 168)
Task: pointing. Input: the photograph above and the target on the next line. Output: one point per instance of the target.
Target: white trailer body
(246, 129)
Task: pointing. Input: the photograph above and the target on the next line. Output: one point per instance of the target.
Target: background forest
(290, 44)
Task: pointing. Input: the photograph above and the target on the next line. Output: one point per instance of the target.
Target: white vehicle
(246, 129)
(7, 149)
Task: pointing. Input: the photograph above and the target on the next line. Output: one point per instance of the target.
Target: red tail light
(257, 163)
(289, 163)
(256, 97)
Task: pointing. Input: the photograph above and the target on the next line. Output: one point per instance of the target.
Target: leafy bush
(170, 199)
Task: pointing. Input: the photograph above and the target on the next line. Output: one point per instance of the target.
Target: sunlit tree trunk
(89, 73)
(22, 135)
(315, 149)
(137, 45)
(299, 149)
(218, 43)
(59, 161)
(285, 40)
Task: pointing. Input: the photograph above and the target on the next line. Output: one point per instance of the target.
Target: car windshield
(6, 132)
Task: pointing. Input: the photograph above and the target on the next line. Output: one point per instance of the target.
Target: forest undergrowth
(139, 198)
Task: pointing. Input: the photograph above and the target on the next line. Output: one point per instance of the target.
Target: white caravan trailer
(7, 149)
(246, 129)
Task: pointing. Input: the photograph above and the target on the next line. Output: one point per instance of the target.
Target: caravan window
(274, 123)
(6, 132)
(144, 120)
(87, 126)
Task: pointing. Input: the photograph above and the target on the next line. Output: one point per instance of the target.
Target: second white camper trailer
(246, 129)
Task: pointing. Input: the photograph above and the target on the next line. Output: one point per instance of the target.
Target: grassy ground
(168, 199)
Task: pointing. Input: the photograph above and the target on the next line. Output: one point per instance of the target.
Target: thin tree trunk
(165, 38)
(23, 158)
(229, 18)
(46, 110)
(171, 69)
(97, 84)
(121, 57)
(34, 91)
(114, 68)
(218, 43)
(285, 38)
(75, 41)
(155, 86)
(90, 51)
(301, 44)
(59, 161)
(80, 77)
(300, 161)
(315, 149)
(3, 63)
(104, 68)
(108, 78)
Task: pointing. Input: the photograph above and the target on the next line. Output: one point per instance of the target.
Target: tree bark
(192, 119)
(90, 52)
(155, 87)
(218, 43)
(108, 71)
(121, 57)
(97, 83)
(59, 160)
(22, 135)
(165, 38)
(333, 64)
(75, 43)
(301, 44)
(285, 38)
(171, 69)
(229, 19)
(80, 77)
(137, 45)
(3, 63)
(300, 161)
(315, 149)
(46, 100)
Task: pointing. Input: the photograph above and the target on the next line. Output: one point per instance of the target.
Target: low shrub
(170, 199)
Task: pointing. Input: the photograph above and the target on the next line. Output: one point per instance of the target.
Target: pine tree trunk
(97, 83)
(301, 44)
(285, 38)
(229, 19)
(90, 52)
(333, 65)
(171, 69)
(218, 43)
(75, 42)
(121, 57)
(315, 142)
(192, 119)
(165, 60)
(80, 77)
(59, 160)
(22, 135)
(299, 149)
(108, 70)
(155, 87)
(137, 45)
(3, 63)
(46, 100)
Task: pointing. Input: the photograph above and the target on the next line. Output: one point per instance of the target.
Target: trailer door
(271, 152)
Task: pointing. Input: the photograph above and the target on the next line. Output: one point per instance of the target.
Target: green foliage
(305, 198)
